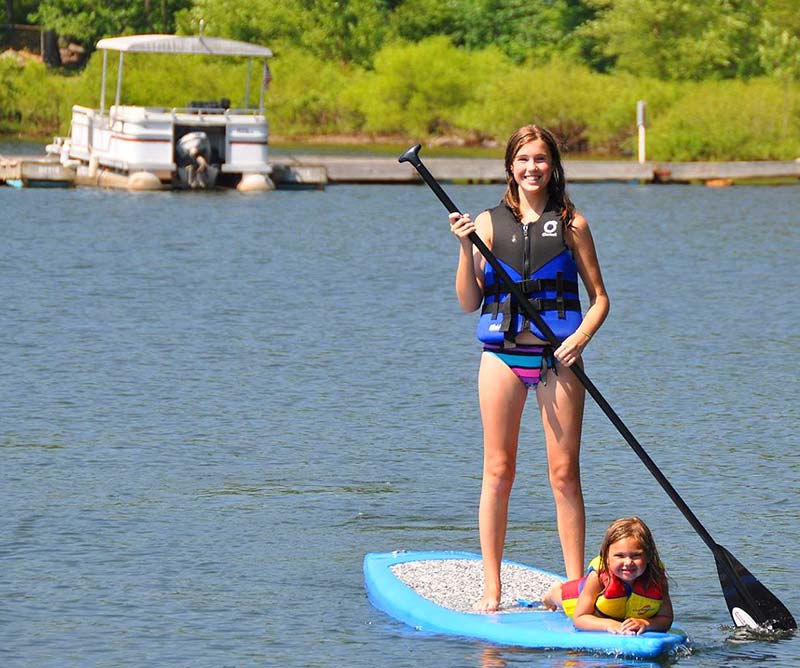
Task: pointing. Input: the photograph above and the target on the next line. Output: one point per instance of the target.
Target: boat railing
(110, 117)
(214, 111)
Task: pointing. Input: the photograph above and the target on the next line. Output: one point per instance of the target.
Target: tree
(779, 52)
(779, 44)
(10, 70)
(17, 10)
(783, 13)
(87, 21)
(522, 29)
(675, 39)
(338, 30)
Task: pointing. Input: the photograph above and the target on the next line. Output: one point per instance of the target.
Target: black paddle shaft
(774, 611)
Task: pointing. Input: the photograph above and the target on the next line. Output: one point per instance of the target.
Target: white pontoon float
(208, 143)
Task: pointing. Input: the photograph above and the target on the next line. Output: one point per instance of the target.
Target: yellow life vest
(618, 599)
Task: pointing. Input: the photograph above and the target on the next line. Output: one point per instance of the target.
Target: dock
(344, 169)
(29, 171)
(318, 171)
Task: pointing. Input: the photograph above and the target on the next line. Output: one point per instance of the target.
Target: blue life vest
(539, 261)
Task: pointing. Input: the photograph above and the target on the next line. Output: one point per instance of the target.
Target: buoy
(144, 181)
(719, 183)
(251, 183)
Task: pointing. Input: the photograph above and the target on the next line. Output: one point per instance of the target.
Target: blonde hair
(633, 527)
(557, 187)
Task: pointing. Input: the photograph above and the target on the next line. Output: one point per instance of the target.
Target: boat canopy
(182, 45)
(178, 44)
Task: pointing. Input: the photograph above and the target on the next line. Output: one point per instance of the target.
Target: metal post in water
(641, 121)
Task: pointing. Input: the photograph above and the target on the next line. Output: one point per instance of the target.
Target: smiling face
(626, 559)
(532, 167)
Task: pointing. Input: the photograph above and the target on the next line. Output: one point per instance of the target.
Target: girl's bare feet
(487, 603)
(552, 599)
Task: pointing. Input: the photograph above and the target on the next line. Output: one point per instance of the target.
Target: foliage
(421, 89)
(10, 69)
(31, 96)
(683, 40)
(779, 52)
(338, 30)
(558, 96)
(721, 79)
(157, 80)
(43, 100)
(782, 13)
(732, 120)
(521, 29)
(20, 9)
(87, 21)
(307, 96)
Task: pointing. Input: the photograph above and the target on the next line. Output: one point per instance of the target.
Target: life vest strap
(561, 305)
(531, 285)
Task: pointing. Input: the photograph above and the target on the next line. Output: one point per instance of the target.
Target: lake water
(213, 405)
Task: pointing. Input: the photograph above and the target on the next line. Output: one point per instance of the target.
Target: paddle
(749, 602)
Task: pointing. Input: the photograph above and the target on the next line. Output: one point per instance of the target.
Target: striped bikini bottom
(529, 363)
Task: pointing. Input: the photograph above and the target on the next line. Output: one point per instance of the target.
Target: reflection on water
(505, 657)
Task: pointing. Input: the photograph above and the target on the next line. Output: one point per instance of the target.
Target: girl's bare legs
(561, 402)
(502, 398)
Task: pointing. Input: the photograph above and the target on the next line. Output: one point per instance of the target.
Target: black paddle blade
(750, 603)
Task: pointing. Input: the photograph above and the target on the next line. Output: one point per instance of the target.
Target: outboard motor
(195, 170)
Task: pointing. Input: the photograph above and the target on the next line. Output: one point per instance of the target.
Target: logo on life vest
(550, 228)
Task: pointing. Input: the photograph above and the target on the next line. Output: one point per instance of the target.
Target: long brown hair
(557, 187)
(633, 527)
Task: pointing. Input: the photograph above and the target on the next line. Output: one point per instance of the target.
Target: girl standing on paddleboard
(545, 245)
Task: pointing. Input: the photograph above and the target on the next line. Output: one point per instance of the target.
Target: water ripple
(213, 406)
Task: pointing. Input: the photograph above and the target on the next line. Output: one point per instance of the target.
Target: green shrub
(34, 100)
(586, 110)
(10, 69)
(729, 120)
(307, 95)
(418, 89)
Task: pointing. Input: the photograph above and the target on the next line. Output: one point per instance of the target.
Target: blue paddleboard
(405, 585)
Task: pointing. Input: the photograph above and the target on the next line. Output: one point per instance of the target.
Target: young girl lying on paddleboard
(625, 590)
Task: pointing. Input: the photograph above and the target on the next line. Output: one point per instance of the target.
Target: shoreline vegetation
(720, 80)
(687, 121)
(695, 121)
